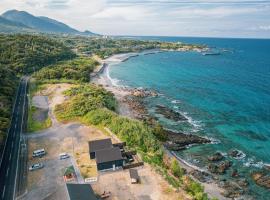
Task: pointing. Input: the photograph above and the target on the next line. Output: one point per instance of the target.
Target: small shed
(107, 159)
(80, 192)
(97, 145)
(134, 176)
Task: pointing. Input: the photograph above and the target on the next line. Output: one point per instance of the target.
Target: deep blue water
(226, 97)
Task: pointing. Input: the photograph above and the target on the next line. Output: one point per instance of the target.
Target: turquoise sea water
(226, 97)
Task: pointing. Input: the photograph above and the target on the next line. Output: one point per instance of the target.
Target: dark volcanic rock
(202, 176)
(242, 182)
(169, 113)
(179, 141)
(261, 179)
(232, 189)
(236, 154)
(216, 157)
(219, 168)
(235, 173)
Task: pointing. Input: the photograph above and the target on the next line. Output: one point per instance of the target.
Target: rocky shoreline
(131, 104)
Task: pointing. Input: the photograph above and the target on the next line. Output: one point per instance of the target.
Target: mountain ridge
(42, 24)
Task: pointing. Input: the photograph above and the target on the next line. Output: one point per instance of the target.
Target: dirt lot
(47, 183)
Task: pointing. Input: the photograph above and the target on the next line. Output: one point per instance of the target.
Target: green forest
(77, 70)
(19, 55)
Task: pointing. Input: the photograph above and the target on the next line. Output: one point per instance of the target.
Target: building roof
(107, 155)
(133, 173)
(96, 145)
(80, 192)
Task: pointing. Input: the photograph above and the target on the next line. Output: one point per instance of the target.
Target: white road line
(10, 156)
(7, 171)
(15, 126)
(3, 194)
(12, 145)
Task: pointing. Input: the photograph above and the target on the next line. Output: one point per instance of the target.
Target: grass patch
(33, 125)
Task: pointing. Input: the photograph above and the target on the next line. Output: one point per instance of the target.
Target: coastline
(101, 77)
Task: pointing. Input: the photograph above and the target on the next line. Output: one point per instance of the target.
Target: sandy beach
(103, 78)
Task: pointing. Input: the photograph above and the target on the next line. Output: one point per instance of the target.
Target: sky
(204, 18)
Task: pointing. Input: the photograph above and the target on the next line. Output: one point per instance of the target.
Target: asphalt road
(9, 171)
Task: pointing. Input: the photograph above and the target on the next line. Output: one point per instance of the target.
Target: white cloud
(153, 17)
(265, 27)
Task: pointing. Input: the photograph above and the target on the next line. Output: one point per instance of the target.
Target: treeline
(77, 69)
(8, 84)
(104, 47)
(93, 105)
(19, 55)
(28, 53)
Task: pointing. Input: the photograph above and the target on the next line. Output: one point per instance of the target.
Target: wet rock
(169, 113)
(179, 141)
(202, 176)
(139, 92)
(235, 173)
(216, 157)
(261, 179)
(242, 182)
(219, 168)
(231, 189)
(237, 154)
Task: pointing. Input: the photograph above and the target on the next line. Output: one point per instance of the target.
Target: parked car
(63, 156)
(36, 166)
(39, 153)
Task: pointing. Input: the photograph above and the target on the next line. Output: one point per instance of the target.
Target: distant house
(80, 192)
(97, 145)
(107, 159)
(134, 176)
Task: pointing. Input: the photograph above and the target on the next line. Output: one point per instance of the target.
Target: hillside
(22, 54)
(7, 26)
(37, 24)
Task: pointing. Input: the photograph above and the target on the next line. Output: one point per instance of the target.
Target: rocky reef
(179, 141)
(261, 179)
(169, 113)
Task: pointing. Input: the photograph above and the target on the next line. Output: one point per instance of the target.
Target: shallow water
(225, 97)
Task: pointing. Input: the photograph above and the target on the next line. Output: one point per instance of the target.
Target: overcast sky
(216, 18)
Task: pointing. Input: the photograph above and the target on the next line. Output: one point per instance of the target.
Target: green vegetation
(22, 54)
(93, 105)
(77, 69)
(27, 53)
(104, 47)
(34, 125)
(8, 84)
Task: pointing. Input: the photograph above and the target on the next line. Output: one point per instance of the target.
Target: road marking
(10, 156)
(15, 126)
(7, 172)
(12, 145)
(4, 192)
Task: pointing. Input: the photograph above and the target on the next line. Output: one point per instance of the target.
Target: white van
(39, 153)
(63, 156)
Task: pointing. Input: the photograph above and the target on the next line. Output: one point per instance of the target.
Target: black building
(97, 145)
(80, 192)
(107, 159)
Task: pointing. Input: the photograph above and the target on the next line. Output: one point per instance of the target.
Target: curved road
(9, 163)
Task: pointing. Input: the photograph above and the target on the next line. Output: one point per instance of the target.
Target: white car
(63, 156)
(36, 166)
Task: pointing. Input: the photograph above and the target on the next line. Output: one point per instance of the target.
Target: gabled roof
(80, 192)
(96, 145)
(107, 155)
(133, 173)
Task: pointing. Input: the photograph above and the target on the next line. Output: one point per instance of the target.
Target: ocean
(225, 97)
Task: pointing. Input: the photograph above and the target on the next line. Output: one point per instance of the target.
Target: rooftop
(80, 192)
(96, 145)
(107, 155)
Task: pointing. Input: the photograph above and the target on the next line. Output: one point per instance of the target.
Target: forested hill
(22, 54)
(26, 53)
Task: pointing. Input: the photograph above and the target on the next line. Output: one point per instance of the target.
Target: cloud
(265, 28)
(155, 17)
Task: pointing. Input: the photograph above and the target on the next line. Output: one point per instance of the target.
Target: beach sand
(102, 78)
